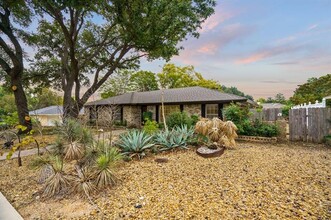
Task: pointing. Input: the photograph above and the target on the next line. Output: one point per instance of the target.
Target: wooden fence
(269, 114)
(309, 124)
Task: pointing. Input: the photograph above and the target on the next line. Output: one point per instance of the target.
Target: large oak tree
(14, 17)
(85, 42)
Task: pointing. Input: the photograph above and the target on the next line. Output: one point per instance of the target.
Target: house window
(168, 109)
(211, 110)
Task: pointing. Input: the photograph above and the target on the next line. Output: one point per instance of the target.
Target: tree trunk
(20, 101)
(71, 107)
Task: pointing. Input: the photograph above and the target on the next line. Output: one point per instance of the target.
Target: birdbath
(213, 150)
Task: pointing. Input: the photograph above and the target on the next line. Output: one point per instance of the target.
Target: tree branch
(4, 65)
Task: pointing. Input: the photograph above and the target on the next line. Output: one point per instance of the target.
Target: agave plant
(135, 142)
(105, 165)
(177, 137)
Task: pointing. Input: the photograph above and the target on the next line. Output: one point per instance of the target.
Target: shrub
(195, 119)
(258, 128)
(236, 114)
(147, 116)
(151, 127)
(135, 143)
(178, 119)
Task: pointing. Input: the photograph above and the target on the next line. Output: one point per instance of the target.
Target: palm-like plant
(135, 142)
(83, 181)
(105, 164)
(58, 181)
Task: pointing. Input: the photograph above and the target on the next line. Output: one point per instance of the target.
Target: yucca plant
(135, 142)
(83, 182)
(58, 181)
(105, 164)
(74, 150)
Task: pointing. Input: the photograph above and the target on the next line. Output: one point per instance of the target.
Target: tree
(314, 89)
(280, 98)
(144, 81)
(130, 29)
(14, 14)
(173, 76)
(118, 84)
(128, 81)
(43, 98)
(236, 91)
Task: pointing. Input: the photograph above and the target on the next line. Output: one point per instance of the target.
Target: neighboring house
(48, 115)
(129, 107)
(272, 105)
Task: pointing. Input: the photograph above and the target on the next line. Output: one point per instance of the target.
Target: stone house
(130, 107)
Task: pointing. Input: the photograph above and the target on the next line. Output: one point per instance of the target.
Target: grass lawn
(257, 181)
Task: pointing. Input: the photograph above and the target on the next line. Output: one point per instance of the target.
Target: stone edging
(257, 139)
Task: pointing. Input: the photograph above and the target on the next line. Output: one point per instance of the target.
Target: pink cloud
(269, 52)
(222, 14)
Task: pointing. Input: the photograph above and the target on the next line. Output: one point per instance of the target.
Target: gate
(309, 124)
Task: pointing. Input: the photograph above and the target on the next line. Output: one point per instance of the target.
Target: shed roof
(180, 95)
(272, 105)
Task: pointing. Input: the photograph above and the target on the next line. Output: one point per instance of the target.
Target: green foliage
(150, 127)
(178, 119)
(240, 117)
(118, 84)
(148, 116)
(314, 89)
(177, 137)
(129, 30)
(286, 110)
(195, 119)
(135, 143)
(11, 119)
(236, 91)
(236, 114)
(144, 81)
(44, 98)
(105, 164)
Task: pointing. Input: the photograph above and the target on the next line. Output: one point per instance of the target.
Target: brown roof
(171, 96)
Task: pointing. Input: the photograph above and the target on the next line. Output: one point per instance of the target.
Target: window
(168, 109)
(211, 110)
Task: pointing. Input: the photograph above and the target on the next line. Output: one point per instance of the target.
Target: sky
(262, 47)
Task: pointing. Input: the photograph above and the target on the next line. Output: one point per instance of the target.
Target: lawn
(258, 181)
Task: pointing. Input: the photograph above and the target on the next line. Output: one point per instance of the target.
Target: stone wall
(132, 116)
(152, 108)
(193, 109)
(104, 116)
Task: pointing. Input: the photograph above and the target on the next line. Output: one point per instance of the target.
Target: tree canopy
(314, 89)
(75, 50)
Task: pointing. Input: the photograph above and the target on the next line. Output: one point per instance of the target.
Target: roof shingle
(181, 95)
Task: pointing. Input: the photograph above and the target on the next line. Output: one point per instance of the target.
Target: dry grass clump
(224, 133)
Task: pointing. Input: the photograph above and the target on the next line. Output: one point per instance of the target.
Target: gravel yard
(257, 181)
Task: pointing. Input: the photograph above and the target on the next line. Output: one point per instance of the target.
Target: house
(130, 107)
(48, 115)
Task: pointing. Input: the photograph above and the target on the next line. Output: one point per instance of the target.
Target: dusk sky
(261, 47)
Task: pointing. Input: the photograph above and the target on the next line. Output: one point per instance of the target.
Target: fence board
(270, 114)
(310, 124)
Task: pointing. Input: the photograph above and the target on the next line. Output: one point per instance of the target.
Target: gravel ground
(254, 181)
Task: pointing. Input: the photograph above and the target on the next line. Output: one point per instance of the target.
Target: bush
(240, 117)
(147, 116)
(151, 127)
(258, 128)
(236, 114)
(178, 119)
